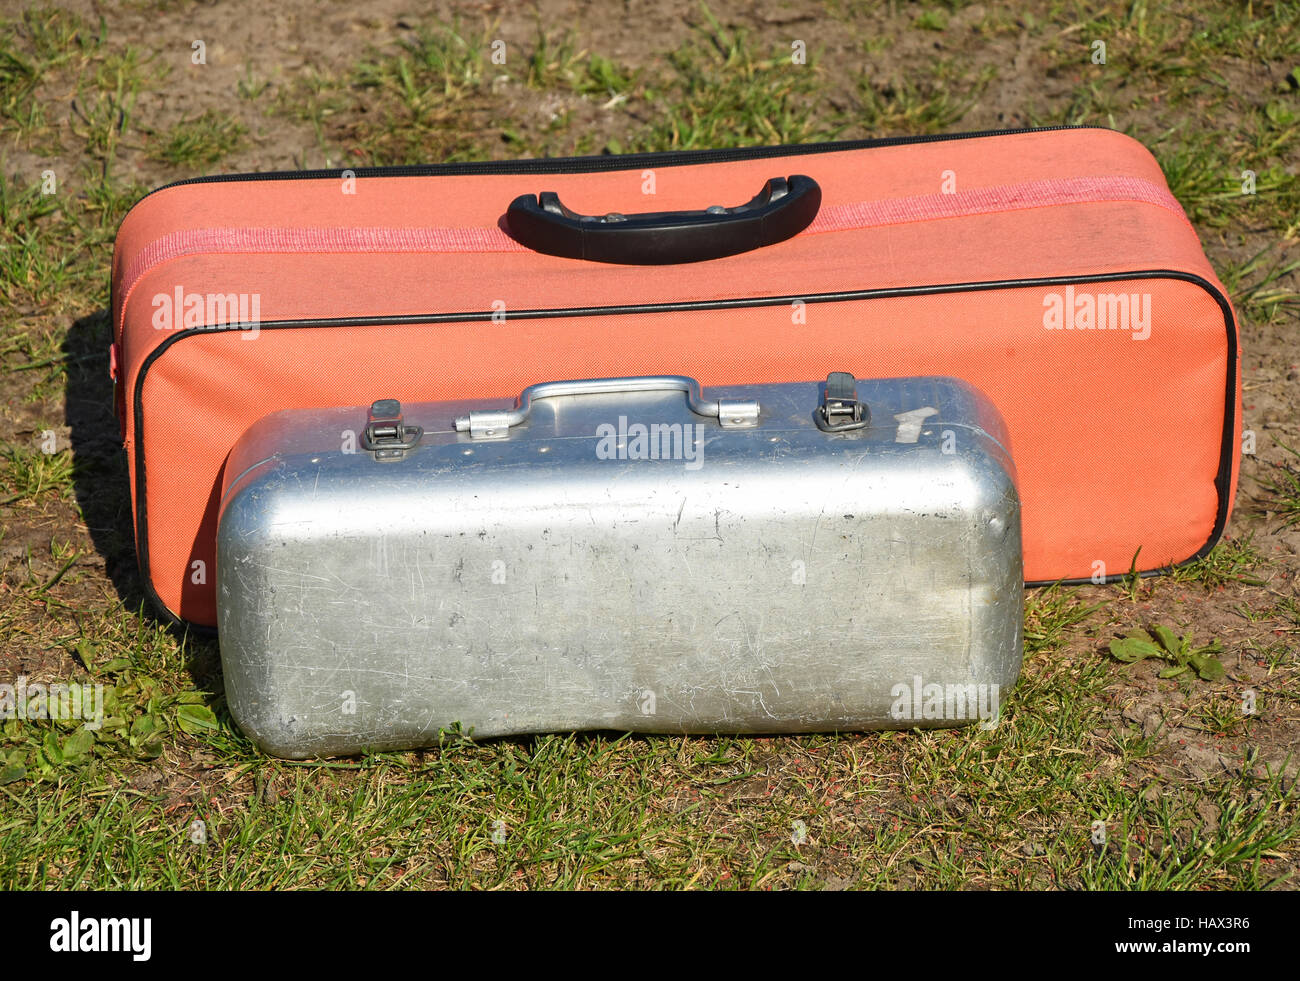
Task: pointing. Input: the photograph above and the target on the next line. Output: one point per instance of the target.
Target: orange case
(1051, 268)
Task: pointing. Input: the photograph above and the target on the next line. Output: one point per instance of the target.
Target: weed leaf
(1137, 646)
(196, 718)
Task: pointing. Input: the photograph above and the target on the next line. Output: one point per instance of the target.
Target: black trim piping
(608, 162)
(1222, 480)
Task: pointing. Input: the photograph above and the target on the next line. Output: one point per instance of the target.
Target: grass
(947, 809)
(1263, 287)
(32, 266)
(935, 103)
(1283, 486)
(1050, 614)
(314, 99)
(28, 475)
(1230, 561)
(559, 64)
(204, 139)
(723, 93)
(1010, 807)
(58, 244)
(424, 96)
(33, 48)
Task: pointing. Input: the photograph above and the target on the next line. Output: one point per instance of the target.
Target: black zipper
(623, 161)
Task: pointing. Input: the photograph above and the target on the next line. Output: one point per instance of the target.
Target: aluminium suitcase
(621, 554)
(1052, 269)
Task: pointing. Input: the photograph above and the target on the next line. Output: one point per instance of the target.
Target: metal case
(621, 554)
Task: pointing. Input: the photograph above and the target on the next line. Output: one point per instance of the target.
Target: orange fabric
(1117, 440)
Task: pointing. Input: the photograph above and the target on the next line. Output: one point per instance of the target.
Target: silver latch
(386, 435)
(840, 409)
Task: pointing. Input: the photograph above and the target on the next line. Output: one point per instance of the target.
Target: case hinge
(737, 415)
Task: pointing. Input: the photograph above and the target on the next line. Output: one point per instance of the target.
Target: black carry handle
(785, 207)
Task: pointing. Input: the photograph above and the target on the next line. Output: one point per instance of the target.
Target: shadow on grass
(99, 476)
(101, 481)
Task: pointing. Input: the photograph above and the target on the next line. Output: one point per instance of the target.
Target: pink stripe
(833, 218)
(991, 200)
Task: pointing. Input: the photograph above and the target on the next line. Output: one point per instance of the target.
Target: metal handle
(494, 424)
(782, 209)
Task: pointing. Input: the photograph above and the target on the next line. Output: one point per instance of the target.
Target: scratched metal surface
(788, 582)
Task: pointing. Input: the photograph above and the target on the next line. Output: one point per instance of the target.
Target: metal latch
(385, 433)
(840, 409)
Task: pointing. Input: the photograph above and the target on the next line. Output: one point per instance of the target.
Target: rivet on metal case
(386, 435)
(840, 410)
